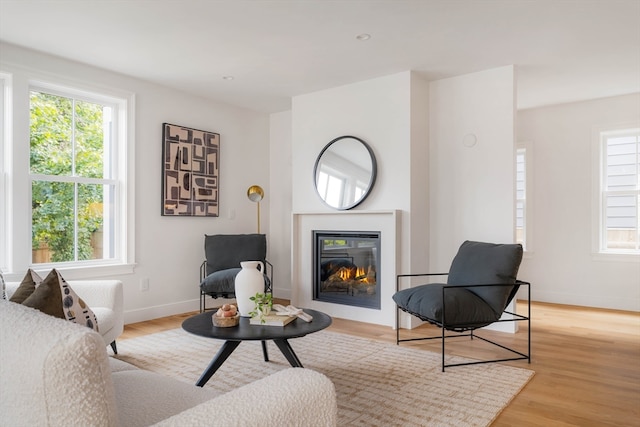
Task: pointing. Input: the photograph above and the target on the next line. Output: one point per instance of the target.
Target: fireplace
(346, 267)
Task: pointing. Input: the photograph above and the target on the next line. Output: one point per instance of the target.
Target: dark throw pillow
(26, 287)
(55, 297)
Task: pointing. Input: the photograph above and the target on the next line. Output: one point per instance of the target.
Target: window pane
(622, 163)
(89, 140)
(90, 221)
(52, 221)
(335, 188)
(51, 137)
(520, 214)
(622, 222)
(621, 212)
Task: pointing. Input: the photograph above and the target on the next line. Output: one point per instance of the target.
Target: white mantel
(385, 222)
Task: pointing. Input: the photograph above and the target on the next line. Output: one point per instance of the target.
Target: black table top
(202, 325)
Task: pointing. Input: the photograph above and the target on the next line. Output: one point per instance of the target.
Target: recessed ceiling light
(227, 77)
(363, 36)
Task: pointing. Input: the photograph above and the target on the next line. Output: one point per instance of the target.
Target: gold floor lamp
(255, 193)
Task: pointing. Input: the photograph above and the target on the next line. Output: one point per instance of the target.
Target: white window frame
(521, 151)
(599, 249)
(16, 194)
(5, 168)
(528, 236)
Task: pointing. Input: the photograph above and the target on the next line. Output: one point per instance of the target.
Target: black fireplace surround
(346, 266)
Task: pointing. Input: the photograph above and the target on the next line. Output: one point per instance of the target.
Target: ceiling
(564, 50)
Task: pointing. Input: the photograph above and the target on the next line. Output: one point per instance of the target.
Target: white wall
(279, 237)
(471, 188)
(377, 111)
(391, 114)
(471, 164)
(168, 250)
(561, 264)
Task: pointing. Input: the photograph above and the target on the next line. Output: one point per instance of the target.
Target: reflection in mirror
(345, 172)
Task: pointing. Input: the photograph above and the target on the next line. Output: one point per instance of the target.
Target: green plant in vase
(263, 304)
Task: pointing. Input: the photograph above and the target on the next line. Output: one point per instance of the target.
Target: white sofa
(104, 298)
(57, 373)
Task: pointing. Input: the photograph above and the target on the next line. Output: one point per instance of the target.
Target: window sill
(81, 272)
(616, 257)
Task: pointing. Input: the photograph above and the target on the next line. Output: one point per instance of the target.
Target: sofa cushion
(26, 287)
(54, 372)
(144, 398)
(118, 365)
(55, 297)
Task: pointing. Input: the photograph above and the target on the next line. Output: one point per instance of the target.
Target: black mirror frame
(372, 180)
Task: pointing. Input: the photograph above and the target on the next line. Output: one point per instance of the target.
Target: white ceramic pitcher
(249, 282)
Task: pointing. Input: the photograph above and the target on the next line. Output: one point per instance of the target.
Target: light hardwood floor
(587, 363)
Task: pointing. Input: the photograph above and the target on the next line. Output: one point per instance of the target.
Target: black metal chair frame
(468, 330)
(268, 287)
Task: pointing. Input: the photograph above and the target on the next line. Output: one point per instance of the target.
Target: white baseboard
(155, 312)
(610, 302)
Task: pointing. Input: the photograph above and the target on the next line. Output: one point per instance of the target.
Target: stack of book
(272, 320)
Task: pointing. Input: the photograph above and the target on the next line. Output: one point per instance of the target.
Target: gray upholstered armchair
(223, 253)
(480, 285)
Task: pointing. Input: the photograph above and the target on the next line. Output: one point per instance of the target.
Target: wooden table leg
(217, 361)
(288, 353)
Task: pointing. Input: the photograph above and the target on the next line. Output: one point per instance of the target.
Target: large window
(76, 176)
(620, 191)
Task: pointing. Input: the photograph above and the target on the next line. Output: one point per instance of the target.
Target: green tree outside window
(67, 153)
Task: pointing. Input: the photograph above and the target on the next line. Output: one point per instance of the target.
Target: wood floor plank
(587, 362)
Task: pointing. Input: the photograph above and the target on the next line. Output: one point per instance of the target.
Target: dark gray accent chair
(480, 285)
(223, 255)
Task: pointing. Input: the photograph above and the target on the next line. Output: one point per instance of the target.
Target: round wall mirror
(345, 172)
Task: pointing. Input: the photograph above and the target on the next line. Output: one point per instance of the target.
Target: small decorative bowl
(226, 322)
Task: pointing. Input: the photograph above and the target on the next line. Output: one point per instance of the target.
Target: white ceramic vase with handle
(249, 282)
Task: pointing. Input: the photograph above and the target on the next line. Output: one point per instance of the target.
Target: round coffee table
(202, 325)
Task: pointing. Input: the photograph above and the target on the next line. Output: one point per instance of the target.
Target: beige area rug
(377, 384)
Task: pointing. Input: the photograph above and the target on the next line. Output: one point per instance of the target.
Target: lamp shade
(255, 193)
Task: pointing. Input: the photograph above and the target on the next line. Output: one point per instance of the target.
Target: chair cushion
(223, 251)
(464, 309)
(221, 282)
(479, 263)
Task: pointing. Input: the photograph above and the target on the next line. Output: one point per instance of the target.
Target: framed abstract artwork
(190, 171)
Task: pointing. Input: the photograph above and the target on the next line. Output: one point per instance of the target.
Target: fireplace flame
(344, 273)
(358, 274)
